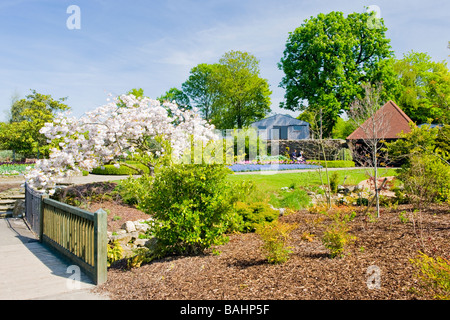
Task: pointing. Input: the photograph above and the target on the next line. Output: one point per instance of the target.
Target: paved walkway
(30, 271)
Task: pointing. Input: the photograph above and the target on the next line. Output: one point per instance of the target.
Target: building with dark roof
(394, 122)
(286, 126)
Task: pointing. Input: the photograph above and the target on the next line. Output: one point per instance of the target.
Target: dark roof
(396, 122)
(280, 120)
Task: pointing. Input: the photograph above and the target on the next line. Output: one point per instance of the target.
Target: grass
(287, 189)
(310, 178)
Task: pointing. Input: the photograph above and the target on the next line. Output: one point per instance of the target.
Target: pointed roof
(396, 122)
(280, 120)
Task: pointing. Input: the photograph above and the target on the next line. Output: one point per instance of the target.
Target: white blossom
(110, 132)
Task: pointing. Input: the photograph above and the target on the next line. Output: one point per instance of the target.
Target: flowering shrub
(127, 127)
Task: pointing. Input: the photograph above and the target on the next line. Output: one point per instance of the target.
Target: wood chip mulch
(240, 270)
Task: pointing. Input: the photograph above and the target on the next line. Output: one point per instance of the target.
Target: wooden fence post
(100, 246)
(41, 216)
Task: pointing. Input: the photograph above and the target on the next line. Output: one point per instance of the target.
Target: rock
(125, 237)
(141, 227)
(19, 209)
(141, 242)
(129, 226)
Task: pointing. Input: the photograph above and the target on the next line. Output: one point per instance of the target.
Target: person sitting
(299, 156)
(294, 155)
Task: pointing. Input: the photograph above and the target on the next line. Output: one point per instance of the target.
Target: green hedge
(109, 169)
(334, 163)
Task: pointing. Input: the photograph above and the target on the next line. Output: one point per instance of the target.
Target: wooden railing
(77, 234)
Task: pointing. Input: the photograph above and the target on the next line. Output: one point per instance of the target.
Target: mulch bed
(118, 213)
(241, 271)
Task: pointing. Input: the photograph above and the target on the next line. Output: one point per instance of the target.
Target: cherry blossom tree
(128, 127)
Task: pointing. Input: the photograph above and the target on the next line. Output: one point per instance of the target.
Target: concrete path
(30, 271)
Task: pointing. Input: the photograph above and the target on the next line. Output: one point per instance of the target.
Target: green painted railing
(77, 234)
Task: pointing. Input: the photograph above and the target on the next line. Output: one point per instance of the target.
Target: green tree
(242, 95)
(199, 87)
(27, 117)
(177, 96)
(425, 88)
(329, 57)
(342, 129)
(426, 139)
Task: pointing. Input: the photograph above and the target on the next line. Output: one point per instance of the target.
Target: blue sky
(153, 44)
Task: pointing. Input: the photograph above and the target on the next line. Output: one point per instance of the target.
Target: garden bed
(240, 271)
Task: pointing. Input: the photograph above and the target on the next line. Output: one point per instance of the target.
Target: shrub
(334, 182)
(434, 275)
(134, 190)
(109, 169)
(345, 154)
(114, 252)
(192, 205)
(336, 236)
(82, 195)
(427, 178)
(275, 236)
(251, 215)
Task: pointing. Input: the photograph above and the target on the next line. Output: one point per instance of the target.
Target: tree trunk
(375, 166)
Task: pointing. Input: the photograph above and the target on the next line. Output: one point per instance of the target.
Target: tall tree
(199, 87)
(242, 95)
(425, 87)
(27, 117)
(329, 57)
(177, 96)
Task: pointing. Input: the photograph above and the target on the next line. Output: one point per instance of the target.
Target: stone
(19, 209)
(142, 227)
(129, 226)
(141, 242)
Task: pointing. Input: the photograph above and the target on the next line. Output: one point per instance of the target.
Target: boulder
(129, 226)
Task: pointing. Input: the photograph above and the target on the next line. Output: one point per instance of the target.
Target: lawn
(270, 182)
(270, 186)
